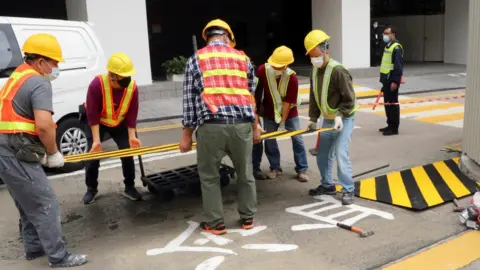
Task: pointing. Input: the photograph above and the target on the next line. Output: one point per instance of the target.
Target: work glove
(281, 126)
(43, 161)
(312, 125)
(338, 123)
(55, 160)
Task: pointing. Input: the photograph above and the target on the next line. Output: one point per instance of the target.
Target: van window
(10, 55)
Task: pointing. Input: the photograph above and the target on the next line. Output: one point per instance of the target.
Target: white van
(84, 59)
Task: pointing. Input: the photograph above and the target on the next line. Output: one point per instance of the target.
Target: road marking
(418, 188)
(441, 118)
(155, 128)
(421, 109)
(360, 91)
(453, 254)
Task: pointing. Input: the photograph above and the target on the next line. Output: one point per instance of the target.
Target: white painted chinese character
(327, 203)
(176, 245)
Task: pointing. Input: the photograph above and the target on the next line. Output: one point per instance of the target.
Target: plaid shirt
(195, 111)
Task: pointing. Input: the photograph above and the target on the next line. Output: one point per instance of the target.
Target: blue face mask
(386, 38)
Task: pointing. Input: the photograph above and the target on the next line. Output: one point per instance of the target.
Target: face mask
(317, 61)
(52, 76)
(386, 38)
(125, 82)
(278, 73)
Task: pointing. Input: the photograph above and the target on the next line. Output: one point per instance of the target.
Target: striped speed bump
(130, 152)
(418, 188)
(360, 92)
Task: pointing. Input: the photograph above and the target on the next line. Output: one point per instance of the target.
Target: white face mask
(317, 61)
(278, 73)
(54, 75)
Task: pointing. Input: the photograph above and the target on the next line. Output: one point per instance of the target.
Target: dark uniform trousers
(119, 135)
(392, 111)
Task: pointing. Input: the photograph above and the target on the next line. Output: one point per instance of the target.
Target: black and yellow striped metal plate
(418, 188)
(172, 147)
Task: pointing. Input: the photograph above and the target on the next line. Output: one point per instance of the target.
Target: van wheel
(71, 140)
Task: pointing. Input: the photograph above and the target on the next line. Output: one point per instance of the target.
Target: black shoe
(70, 260)
(321, 190)
(132, 193)
(247, 223)
(383, 129)
(348, 198)
(34, 255)
(390, 132)
(90, 196)
(218, 229)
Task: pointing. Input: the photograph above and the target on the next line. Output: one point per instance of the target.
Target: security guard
(332, 95)
(278, 84)
(217, 99)
(27, 141)
(391, 72)
(112, 108)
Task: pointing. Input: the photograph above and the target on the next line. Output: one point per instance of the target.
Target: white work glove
(312, 125)
(43, 162)
(55, 160)
(338, 123)
(281, 126)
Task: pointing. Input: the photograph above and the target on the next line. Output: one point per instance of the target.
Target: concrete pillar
(470, 160)
(347, 22)
(456, 31)
(121, 26)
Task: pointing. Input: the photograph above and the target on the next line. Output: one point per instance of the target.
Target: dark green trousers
(214, 142)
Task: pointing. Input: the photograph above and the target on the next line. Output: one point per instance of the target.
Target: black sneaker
(132, 193)
(259, 175)
(70, 260)
(218, 229)
(34, 255)
(347, 198)
(383, 129)
(90, 196)
(322, 190)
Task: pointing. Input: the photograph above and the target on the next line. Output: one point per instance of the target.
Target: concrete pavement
(119, 234)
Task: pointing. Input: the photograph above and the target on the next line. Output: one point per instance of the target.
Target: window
(10, 55)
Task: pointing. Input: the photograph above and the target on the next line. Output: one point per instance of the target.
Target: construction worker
(278, 84)
(217, 98)
(391, 72)
(332, 95)
(112, 108)
(27, 141)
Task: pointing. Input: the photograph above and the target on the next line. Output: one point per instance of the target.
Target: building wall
(456, 31)
(120, 26)
(347, 22)
(411, 31)
(356, 33)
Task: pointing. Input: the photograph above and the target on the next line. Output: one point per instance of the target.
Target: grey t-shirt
(35, 94)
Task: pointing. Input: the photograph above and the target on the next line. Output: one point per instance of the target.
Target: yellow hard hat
(221, 24)
(282, 56)
(120, 64)
(45, 45)
(314, 38)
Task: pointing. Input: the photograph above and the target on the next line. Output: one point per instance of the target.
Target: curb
(163, 118)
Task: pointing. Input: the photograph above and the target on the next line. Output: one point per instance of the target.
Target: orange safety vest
(225, 81)
(109, 117)
(10, 121)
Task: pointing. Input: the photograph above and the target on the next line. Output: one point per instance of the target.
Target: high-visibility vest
(322, 103)
(225, 80)
(387, 63)
(109, 116)
(279, 91)
(10, 121)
